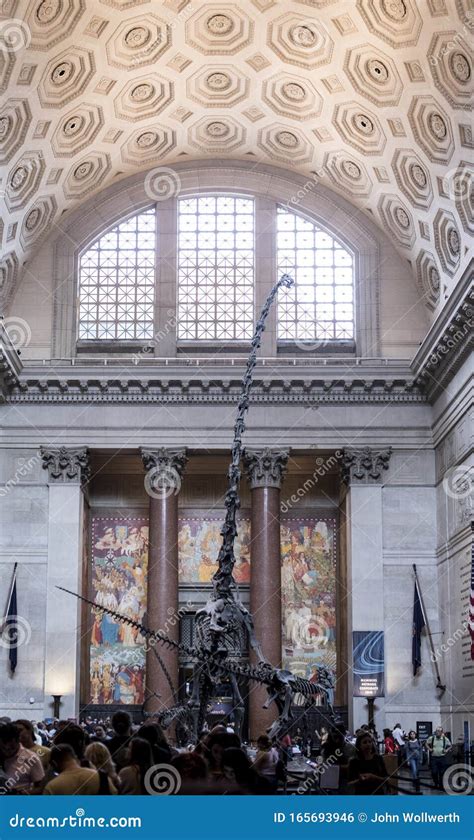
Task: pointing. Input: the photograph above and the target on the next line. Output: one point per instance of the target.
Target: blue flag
(11, 627)
(418, 624)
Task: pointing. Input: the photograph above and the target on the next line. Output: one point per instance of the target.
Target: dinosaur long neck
(223, 579)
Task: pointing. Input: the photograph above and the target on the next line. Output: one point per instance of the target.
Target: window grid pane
(215, 268)
(117, 282)
(319, 307)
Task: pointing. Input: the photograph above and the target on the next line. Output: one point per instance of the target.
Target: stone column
(164, 470)
(265, 470)
(68, 472)
(361, 474)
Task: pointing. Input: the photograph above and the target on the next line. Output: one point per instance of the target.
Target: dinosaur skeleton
(282, 686)
(224, 621)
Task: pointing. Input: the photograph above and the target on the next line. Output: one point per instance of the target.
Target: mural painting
(199, 542)
(118, 580)
(308, 579)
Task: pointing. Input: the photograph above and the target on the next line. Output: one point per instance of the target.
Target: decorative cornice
(449, 341)
(66, 465)
(217, 381)
(365, 465)
(164, 470)
(10, 363)
(266, 467)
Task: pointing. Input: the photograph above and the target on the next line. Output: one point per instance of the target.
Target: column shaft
(163, 600)
(265, 469)
(265, 594)
(163, 481)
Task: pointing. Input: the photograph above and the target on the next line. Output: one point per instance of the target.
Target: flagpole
(439, 684)
(9, 597)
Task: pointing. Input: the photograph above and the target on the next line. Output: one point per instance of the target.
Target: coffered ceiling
(371, 97)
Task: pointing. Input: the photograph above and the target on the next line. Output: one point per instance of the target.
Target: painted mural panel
(118, 580)
(199, 542)
(308, 580)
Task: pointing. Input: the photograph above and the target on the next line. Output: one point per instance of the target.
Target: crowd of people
(117, 757)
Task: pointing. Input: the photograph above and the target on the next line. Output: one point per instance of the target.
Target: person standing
(399, 738)
(388, 742)
(367, 775)
(22, 767)
(414, 757)
(438, 746)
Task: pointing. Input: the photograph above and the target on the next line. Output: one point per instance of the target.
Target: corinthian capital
(66, 465)
(164, 468)
(266, 467)
(365, 465)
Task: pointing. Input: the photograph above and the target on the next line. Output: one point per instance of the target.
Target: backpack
(431, 739)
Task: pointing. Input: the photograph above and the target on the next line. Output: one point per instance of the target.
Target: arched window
(117, 282)
(215, 268)
(319, 307)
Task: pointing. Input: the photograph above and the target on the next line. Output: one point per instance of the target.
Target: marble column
(164, 470)
(361, 474)
(68, 472)
(265, 471)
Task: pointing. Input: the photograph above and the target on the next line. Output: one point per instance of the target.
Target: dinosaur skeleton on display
(282, 686)
(224, 622)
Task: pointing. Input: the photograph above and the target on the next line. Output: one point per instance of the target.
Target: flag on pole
(11, 626)
(418, 624)
(471, 595)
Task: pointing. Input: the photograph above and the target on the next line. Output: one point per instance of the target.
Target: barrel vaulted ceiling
(370, 97)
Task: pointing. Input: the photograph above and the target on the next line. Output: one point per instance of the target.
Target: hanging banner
(368, 663)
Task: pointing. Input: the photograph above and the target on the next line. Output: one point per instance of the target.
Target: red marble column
(265, 470)
(164, 468)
